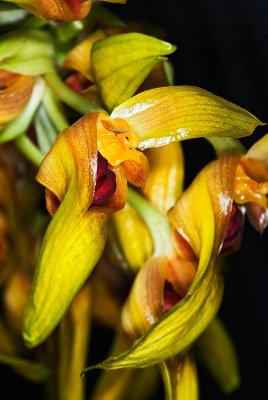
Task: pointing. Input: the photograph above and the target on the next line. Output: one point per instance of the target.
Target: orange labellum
(116, 141)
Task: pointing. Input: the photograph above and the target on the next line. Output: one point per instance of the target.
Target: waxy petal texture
(75, 237)
(136, 55)
(163, 115)
(177, 329)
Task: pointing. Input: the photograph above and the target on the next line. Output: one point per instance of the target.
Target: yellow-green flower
(86, 173)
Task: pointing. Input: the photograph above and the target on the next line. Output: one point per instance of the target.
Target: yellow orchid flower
(15, 91)
(175, 296)
(93, 158)
(86, 173)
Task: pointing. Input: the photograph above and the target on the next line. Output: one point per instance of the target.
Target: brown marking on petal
(171, 297)
(234, 231)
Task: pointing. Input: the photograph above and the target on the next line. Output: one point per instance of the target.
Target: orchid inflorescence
(88, 107)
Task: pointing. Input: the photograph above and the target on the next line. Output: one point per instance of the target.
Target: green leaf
(163, 115)
(28, 52)
(121, 62)
(215, 349)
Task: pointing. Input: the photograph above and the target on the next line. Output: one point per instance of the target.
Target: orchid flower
(86, 173)
(178, 291)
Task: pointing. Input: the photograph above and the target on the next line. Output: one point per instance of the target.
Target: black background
(222, 47)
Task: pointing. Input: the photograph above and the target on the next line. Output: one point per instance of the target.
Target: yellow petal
(163, 115)
(215, 350)
(15, 91)
(121, 62)
(165, 180)
(180, 378)
(177, 329)
(75, 237)
(133, 236)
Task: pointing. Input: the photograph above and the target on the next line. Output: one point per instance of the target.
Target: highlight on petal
(215, 350)
(59, 10)
(136, 54)
(163, 115)
(75, 236)
(177, 329)
(15, 91)
(165, 180)
(27, 52)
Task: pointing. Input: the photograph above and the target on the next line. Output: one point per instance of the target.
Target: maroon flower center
(234, 230)
(171, 298)
(105, 182)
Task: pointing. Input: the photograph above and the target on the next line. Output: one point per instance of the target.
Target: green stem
(224, 145)
(20, 124)
(158, 225)
(70, 30)
(69, 97)
(54, 110)
(26, 146)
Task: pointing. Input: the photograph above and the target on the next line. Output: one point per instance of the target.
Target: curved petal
(145, 304)
(163, 115)
(204, 230)
(79, 57)
(137, 172)
(121, 63)
(75, 237)
(59, 10)
(201, 215)
(15, 91)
